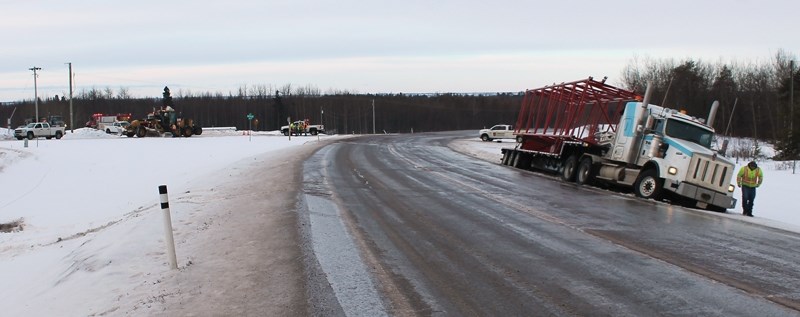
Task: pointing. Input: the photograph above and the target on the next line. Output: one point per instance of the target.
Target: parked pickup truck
(117, 127)
(302, 127)
(500, 131)
(38, 130)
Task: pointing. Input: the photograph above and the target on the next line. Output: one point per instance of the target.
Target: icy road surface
(441, 232)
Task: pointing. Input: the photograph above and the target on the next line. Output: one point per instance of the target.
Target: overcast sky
(369, 46)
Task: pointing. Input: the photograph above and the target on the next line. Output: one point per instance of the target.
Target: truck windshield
(689, 132)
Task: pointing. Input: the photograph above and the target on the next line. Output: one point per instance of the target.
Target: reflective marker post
(173, 261)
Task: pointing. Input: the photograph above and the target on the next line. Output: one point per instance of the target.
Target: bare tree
(123, 93)
(108, 93)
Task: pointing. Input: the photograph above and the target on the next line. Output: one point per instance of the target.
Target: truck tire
(141, 132)
(519, 157)
(187, 132)
(506, 158)
(570, 168)
(30, 135)
(586, 172)
(285, 132)
(485, 138)
(648, 185)
(197, 130)
(314, 132)
(59, 135)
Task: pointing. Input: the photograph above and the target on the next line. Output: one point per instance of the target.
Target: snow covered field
(86, 232)
(90, 238)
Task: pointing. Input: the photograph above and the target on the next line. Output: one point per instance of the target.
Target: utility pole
(791, 96)
(373, 116)
(791, 112)
(71, 122)
(35, 91)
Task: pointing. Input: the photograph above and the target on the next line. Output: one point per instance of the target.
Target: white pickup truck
(37, 130)
(500, 131)
(117, 127)
(302, 127)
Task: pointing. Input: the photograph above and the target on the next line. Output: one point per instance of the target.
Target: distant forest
(754, 102)
(340, 112)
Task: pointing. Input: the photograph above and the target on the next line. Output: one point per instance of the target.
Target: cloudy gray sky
(369, 46)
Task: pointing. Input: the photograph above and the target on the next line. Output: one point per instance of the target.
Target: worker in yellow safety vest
(748, 179)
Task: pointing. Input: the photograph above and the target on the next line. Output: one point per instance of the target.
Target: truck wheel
(648, 185)
(585, 172)
(141, 132)
(519, 139)
(108, 131)
(314, 132)
(197, 130)
(187, 132)
(59, 135)
(569, 169)
(30, 135)
(286, 132)
(485, 138)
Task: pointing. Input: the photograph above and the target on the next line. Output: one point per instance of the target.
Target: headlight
(731, 188)
(672, 170)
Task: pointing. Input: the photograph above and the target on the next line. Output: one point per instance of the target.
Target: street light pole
(71, 122)
(791, 112)
(373, 116)
(791, 96)
(35, 91)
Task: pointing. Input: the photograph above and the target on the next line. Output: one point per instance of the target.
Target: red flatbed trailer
(570, 113)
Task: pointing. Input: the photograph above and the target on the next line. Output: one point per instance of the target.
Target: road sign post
(250, 117)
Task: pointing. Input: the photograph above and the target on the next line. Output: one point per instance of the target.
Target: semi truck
(590, 132)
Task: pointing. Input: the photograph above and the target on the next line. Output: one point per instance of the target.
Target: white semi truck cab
(670, 151)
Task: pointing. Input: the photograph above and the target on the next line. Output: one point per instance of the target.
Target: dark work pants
(748, 196)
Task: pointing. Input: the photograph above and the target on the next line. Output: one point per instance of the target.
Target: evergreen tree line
(755, 98)
(339, 111)
(754, 102)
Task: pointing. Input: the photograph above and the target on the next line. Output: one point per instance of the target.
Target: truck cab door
(508, 132)
(38, 129)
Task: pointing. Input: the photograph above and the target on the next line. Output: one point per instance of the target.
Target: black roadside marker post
(173, 261)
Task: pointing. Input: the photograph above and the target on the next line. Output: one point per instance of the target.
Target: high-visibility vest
(749, 177)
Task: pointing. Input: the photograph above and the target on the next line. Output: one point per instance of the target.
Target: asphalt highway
(404, 225)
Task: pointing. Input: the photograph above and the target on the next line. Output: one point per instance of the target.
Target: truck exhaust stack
(712, 114)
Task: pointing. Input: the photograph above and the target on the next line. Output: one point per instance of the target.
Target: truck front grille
(707, 172)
